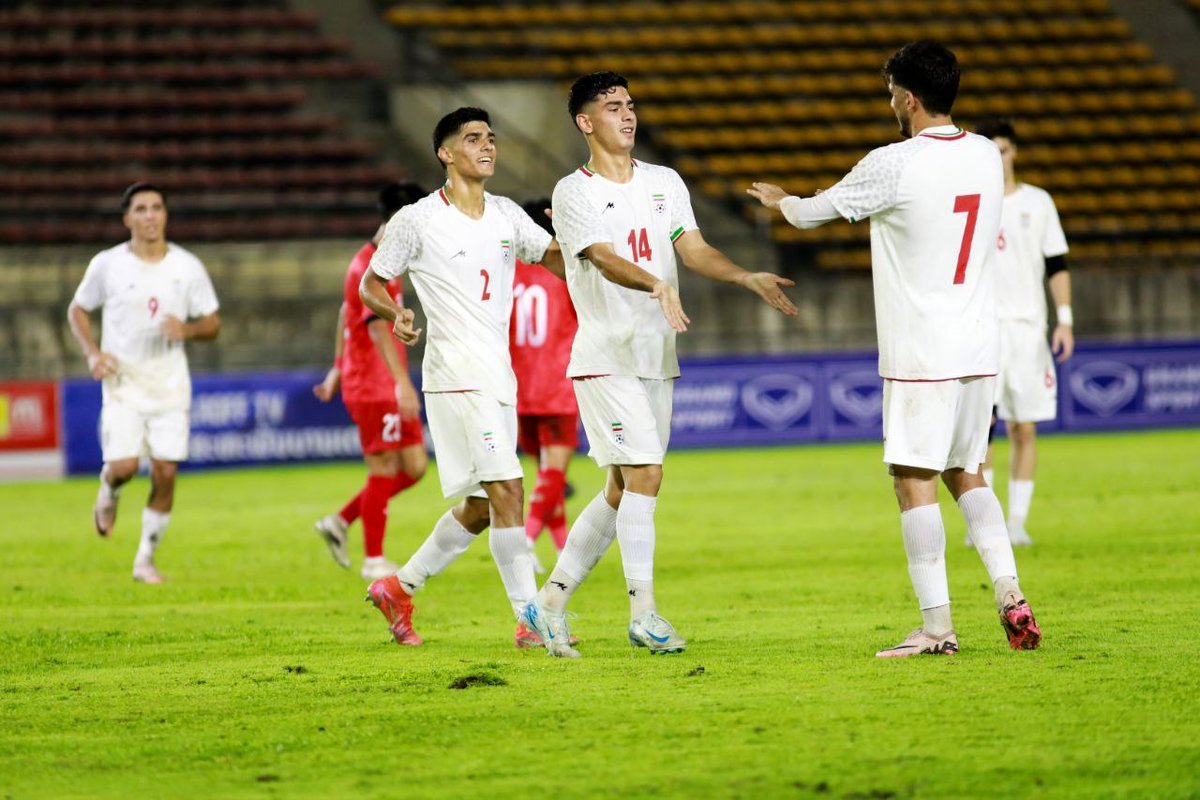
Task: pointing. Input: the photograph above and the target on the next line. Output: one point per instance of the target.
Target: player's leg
(1020, 480)
(166, 437)
(917, 429)
(383, 467)
(528, 442)
(551, 490)
(1034, 399)
(122, 440)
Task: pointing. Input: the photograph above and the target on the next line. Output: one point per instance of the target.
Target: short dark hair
(453, 122)
(929, 70)
(994, 127)
(395, 196)
(140, 186)
(536, 209)
(589, 87)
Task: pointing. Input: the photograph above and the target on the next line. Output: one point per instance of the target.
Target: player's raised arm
(802, 212)
(702, 258)
(618, 270)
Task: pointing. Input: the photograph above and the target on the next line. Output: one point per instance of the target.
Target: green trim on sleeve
(675, 234)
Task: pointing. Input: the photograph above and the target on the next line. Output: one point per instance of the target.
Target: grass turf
(258, 671)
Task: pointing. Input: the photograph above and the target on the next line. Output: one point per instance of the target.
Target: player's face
(146, 217)
(901, 107)
(472, 151)
(1008, 153)
(612, 120)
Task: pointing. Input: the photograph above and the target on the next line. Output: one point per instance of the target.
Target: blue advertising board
(273, 417)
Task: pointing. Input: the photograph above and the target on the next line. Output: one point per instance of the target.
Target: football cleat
(397, 606)
(104, 513)
(550, 627)
(526, 639)
(920, 643)
(1016, 617)
(374, 568)
(332, 529)
(655, 634)
(146, 572)
(1018, 537)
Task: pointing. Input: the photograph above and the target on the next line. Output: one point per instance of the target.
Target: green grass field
(257, 671)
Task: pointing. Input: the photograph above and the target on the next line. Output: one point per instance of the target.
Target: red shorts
(380, 427)
(535, 431)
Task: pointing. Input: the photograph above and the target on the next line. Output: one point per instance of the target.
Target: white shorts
(127, 433)
(627, 419)
(474, 441)
(1027, 387)
(937, 425)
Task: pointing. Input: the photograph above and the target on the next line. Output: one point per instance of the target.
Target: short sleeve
(400, 246)
(91, 293)
(683, 219)
(531, 239)
(576, 223)
(201, 297)
(871, 187)
(1054, 241)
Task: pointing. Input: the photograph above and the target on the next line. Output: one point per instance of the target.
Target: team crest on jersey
(489, 442)
(506, 250)
(618, 433)
(1026, 219)
(659, 201)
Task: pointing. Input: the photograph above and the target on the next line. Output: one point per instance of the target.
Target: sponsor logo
(1104, 387)
(609, 207)
(777, 400)
(458, 254)
(858, 396)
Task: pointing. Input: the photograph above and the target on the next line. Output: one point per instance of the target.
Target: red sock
(352, 510)
(401, 482)
(546, 496)
(375, 496)
(558, 526)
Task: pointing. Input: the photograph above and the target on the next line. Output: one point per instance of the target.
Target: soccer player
(540, 335)
(459, 245)
(621, 223)
(153, 296)
(934, 203)
(372, 370)
(1030, 249)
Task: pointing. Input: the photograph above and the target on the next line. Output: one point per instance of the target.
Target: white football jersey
(462, 269)
(934, 202)
(1030, 232)
(622, 331)
(134, 297)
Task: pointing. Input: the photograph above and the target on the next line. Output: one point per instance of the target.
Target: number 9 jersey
(934, 202)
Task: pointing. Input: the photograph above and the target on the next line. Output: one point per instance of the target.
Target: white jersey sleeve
(400, 246)
(872, 186)
(531, 238)
(683, 219)
(91, 292)
(1054, 241)
(577, 223)
(201, 296)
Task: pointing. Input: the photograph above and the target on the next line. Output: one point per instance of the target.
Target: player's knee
(414, 465)
(121, 471)
(646, 479)
(1023, 433)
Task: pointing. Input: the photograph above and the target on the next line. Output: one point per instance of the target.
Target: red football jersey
(365, 377)
(540, 335)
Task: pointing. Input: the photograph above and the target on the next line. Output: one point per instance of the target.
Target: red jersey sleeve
(541, 333)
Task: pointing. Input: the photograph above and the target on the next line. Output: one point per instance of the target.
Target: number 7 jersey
(622, 331)
(934, 202)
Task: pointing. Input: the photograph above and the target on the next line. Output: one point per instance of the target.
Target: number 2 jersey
(622, 331)
(934, 201)
(540, 338)
(135, 297)
(462, 270)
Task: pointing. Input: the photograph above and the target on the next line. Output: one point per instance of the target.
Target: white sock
(510, 550)
(590, 537)
(985, 526)
(447, 542)
(925, 545)
(154, 525)
(635, 535)
(936, 621)
(989, 476)
(1020, 496)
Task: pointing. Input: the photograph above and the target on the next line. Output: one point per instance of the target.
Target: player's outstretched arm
(100, 364)
(553, 261)
(704, 259)
(803, 212)
(631, 276)
(328, 388)
(374, 294)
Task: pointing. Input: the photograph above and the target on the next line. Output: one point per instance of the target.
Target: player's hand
(408, 400)
(102, 365)
(327, 389)
(403, 328)
(1062, 342)
(672, 309)
(766, 285)
(768, 194)
(173, 328)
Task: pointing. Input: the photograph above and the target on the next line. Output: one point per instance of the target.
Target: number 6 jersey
(934, 201)
(622, 331)
(462, 269)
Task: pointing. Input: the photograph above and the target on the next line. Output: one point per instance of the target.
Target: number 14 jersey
(934, 201)
(622, 331)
